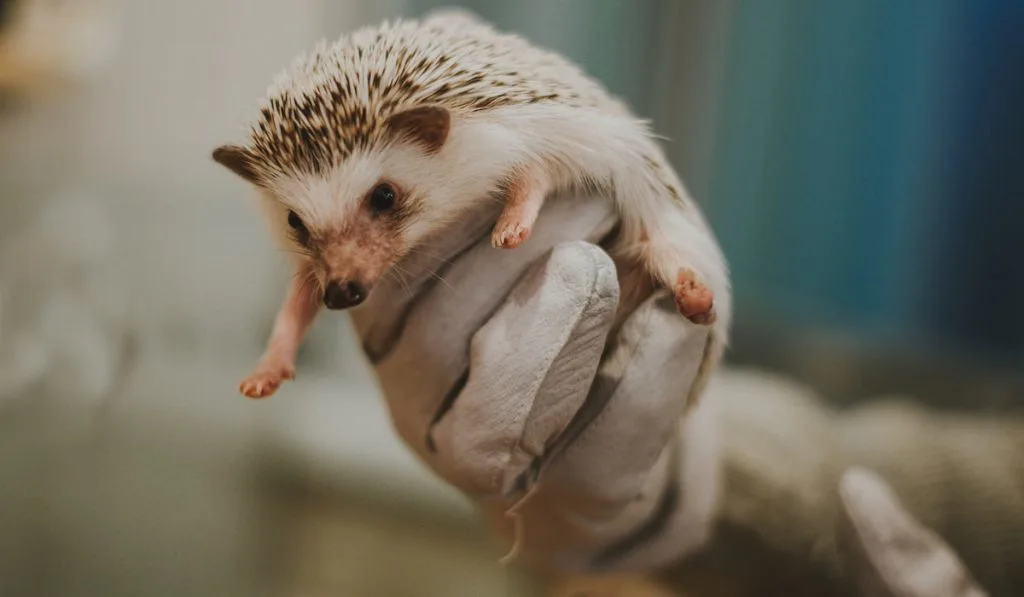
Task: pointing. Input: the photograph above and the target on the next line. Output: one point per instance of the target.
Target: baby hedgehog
(364, 148)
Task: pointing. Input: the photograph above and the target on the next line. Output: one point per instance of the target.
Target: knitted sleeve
(783, 453)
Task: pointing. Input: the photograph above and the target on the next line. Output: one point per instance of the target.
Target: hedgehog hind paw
(693, 298)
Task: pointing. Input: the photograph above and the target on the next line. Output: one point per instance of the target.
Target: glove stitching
(654, 526)
(452, 395)
(621, 365)
(531, 483)
(584, 415)
(386, 345)
(444, 407)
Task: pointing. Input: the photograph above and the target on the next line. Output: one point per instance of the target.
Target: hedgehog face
(354, 220)
(351, 240)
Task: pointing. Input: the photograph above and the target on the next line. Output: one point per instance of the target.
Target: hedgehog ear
(425, 125)
(239, 160)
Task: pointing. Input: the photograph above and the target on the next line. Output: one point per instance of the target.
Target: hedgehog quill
(363, 148)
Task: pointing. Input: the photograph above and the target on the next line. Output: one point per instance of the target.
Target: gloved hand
(506, 373)
(495, 370)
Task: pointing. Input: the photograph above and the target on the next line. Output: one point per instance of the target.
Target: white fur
(611, 148)
(570, 144)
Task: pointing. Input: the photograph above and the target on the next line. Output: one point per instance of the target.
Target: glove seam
(599, 270)
(386, 345)
(653, 526)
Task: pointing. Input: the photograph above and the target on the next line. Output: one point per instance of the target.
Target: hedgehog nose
(342, 295)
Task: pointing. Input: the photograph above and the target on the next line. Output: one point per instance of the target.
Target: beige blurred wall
(183, 74)
(188, 74)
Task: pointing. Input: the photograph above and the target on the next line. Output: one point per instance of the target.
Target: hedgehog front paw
(509, 234)
(267, 378)
(525, 197)
(694, 299)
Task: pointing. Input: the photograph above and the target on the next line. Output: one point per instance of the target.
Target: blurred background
(861, 162)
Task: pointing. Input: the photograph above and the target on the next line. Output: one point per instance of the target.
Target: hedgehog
(364, 148)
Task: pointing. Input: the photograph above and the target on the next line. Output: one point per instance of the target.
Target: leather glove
(506, 373)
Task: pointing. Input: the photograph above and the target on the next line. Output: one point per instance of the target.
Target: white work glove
(499, 373)
(492, 365)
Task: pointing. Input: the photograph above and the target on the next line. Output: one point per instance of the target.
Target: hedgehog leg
(278, 362)
(680, 269)
(693, 298)
(526, 193)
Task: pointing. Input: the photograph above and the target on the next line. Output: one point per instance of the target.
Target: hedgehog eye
(296, 224)
(382, 198)
(295, 221)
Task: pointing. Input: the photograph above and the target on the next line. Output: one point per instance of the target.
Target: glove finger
(634, 408)
(419, 341)
(531, 366)
(892, 554)
(605, 491)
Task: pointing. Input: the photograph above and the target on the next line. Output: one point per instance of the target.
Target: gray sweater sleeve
(778, 528)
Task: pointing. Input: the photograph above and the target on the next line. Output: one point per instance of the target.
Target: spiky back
(335, 99)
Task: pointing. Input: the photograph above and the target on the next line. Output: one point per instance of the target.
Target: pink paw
(509, 235)
(266, 379)
(693, 299)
